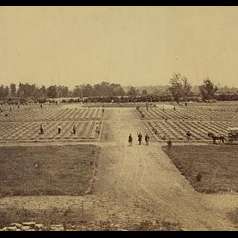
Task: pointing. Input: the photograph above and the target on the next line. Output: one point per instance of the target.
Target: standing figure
(41, 129)
(147, 106)
(139, 138)
(188, 134)
(59, 129)
(74, 129)
(130, 139)
(98, 130)
(147, 138)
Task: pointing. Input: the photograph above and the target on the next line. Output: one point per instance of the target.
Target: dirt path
(142, 182)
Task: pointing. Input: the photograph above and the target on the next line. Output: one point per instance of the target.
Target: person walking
(188, 134)
(41, 129)
(147, 138)
(139, 138)
(98, 130)
(74, 129)
(59, 129)
(130, 139)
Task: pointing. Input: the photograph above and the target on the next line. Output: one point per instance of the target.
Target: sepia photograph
(118, 118)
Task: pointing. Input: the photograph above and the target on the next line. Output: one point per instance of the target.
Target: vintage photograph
(118, 118)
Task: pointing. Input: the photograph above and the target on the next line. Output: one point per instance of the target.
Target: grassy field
(209, 168)
(46, 170)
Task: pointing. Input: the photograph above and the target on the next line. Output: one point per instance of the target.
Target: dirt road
(141, 182)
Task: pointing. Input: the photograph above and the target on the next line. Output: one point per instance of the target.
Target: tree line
(180, 89)
(26, 90)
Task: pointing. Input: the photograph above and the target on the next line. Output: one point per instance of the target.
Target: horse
(215, 138)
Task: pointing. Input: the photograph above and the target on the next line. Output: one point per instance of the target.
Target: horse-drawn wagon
(232, 134)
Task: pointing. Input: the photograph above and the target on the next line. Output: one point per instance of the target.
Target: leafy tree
(86, 90)
(117, 90)
(13, 89)
(207, 89)
(43, 92)
(186, 88)
(52, 91)
(144, 92)
(4, 91)
(180, 88)
(132, 91)
(77, 91)
(62, 91)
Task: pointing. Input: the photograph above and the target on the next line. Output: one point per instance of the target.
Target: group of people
(140, 138)
(59, 129)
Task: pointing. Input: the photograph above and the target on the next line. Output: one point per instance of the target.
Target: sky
(136, 46)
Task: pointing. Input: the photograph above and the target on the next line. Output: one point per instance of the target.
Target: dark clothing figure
(174, 108)
(147, 138)
(41, 130)
(130, 139)
(41, 106)
(147, 107)
(74, 129)
(139, 138)
(222, 138)
(188, 134)
(59, 129)
(169, 143)
(98, 130)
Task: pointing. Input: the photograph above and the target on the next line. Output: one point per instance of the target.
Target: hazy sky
(127, 45)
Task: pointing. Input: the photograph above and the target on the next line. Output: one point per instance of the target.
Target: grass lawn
(46, 170)
(209, 168)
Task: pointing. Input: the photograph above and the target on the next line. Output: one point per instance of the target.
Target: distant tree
(87, 90)
(13, 89)
(207, 90)
(26, 90)
(52, 91)
(186, 88)
(4, 91)
(62, 91)
(43, 92)
(117, 90)
(132, 91)
(144, 92)
(180, 88)
(77, 91)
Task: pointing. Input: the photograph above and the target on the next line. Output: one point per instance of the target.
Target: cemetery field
(200, 119)
(208, 168)
(46, 170)
(23, 124)
(111, 181)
